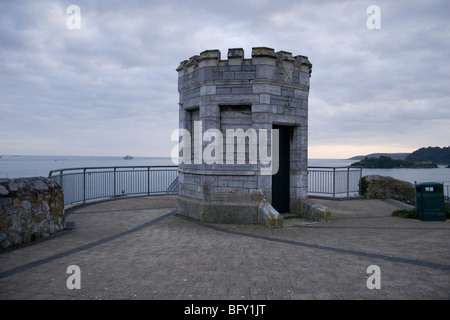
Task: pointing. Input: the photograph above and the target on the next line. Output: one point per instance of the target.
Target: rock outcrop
(381, 187)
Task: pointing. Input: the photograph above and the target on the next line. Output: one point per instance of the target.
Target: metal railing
(445, 185)
(92, 183)
(446, 188)
(334, 181)
(446, 191)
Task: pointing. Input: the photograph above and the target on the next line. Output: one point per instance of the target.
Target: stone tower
(228, 110)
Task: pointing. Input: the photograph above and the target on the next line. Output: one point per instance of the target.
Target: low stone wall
(381, 187)
(316, 212)
(30, 209)
(267, 215)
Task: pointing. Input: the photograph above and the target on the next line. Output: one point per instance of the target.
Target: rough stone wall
(30, 209)
(273, 87)
(381, 187)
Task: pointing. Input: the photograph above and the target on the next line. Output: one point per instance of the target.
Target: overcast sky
(110, 87)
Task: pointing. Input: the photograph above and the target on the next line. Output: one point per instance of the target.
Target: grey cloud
(115, 80)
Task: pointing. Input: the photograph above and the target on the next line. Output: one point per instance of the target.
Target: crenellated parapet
(265, 64)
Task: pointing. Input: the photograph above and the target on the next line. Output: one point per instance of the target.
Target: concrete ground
(138, 248)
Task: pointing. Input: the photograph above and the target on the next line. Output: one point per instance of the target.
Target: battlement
(260, 56)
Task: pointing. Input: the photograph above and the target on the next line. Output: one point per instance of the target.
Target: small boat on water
(128, 157)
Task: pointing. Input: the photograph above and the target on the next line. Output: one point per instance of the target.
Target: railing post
(334, 182)
(360, 180)
(114, 182)
(348, 182)
(84, 185)
(148, 180)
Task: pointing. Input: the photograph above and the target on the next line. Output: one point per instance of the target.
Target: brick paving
(138, 248)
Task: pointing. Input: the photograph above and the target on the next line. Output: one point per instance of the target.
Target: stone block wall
(30, 209)
(269, 89)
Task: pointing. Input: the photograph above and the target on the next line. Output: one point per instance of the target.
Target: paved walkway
(138, 248)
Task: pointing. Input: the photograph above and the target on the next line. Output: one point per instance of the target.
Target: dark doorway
(281, 180)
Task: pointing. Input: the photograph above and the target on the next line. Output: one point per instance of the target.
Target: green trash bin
(430, 201)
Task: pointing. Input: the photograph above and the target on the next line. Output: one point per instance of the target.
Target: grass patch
(409, 214)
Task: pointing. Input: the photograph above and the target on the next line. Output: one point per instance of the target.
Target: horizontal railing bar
(174, 166)
(112, 167)
(331, 168)
(109, 167)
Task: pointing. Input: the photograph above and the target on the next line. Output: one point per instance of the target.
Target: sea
(19, 166)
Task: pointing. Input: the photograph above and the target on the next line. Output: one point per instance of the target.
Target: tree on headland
(434, 154)
(387, 163)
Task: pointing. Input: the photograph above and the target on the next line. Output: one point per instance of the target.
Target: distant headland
(387, 163)
(395, 156)
(429, 157)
